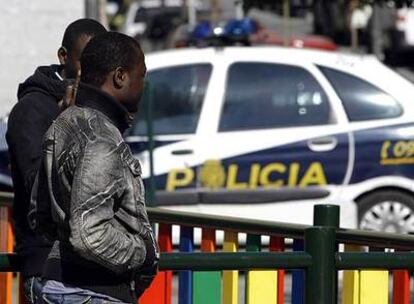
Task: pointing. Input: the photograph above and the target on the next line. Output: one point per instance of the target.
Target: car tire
(387, 211)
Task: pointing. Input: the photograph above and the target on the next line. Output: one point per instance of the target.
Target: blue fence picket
(298, 277)
(185, 279)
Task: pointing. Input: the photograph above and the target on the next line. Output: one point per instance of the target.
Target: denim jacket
(95, 211)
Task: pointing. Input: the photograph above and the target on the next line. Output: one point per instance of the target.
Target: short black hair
(104, 53)
(79, 28)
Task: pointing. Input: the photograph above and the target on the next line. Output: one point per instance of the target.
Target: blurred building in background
(31, 34)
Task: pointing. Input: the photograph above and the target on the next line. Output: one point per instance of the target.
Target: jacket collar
(93, 97)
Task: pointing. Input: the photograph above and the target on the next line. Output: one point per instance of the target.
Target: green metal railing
(294, 231)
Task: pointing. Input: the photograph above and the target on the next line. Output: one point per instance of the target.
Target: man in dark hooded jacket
(39, 103)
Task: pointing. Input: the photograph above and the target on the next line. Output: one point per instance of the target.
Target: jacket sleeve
(98, 186)
(28, 122)
(40, 212)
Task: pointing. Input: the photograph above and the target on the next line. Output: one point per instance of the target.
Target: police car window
(264, 95)
(177, 95)
(361, 100)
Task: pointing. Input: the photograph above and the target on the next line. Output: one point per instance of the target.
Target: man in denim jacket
(104, 250)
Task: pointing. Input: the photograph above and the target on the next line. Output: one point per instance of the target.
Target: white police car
(267, 132)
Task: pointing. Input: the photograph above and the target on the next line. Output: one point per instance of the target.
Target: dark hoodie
(29, 120)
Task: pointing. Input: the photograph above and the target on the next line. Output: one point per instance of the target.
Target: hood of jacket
(43, 80)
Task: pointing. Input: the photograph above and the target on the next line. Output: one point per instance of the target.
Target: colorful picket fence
(366, 275)
(215, 287)
(261, 286)
(6, 245)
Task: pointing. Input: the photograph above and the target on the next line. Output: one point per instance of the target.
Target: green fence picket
(207, 284)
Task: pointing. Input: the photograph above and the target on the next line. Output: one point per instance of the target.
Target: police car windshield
(177, 95)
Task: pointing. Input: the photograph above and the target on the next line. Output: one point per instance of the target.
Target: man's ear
(62, 55)
(119, 78)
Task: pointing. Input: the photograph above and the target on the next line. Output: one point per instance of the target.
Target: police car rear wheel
(388, 211)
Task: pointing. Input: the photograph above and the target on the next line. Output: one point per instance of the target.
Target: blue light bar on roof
(234, 28)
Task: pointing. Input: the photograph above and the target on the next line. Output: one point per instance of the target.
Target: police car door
(275, 145)
(176, 89)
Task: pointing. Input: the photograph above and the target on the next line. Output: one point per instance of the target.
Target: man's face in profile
(135, 87)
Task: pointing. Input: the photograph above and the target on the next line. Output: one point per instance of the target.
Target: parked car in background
(156, 19)
(140, 15)
(267, 132)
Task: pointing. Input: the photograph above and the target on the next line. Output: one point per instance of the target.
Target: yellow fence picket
(262, 287)
(350, 288)
(373, 287)
(230, 277)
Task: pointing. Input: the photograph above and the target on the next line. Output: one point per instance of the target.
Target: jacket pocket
(129, 160)
(134, 167)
